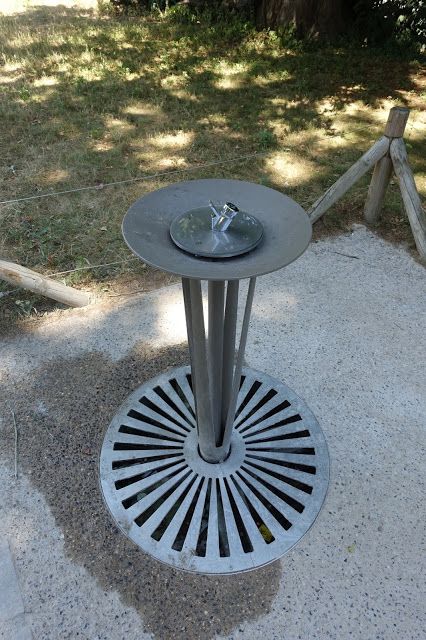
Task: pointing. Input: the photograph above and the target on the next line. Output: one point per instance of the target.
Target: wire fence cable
(161, 174)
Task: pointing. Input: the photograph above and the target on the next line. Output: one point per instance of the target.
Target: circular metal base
(192, 231)
(214, 518)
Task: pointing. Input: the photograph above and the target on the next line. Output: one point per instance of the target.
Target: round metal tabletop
(287, 229)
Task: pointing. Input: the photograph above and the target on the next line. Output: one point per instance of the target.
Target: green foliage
(25, 307)
(374, 22)
(266, 139)
(182, 14)
(402, 22)
(126, 7)
(217, 25)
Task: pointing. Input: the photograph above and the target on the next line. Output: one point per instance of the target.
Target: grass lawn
(88, 100)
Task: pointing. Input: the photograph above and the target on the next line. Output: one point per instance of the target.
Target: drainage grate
(214, 518)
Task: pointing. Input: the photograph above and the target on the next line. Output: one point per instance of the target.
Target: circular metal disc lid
(192, 231)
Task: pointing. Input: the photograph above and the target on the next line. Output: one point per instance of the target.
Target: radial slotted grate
(214, 518)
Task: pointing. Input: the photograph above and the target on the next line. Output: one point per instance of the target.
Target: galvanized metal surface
(192, 231)
(216, 353)
(214, 518)
(216, 379)
(287, 229)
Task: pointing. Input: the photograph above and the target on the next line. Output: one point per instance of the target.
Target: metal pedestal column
(215, 379)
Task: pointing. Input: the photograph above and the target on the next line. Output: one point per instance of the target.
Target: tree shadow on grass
(91, 100)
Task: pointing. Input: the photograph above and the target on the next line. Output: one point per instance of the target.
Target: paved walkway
(344, 326)
(13, 622)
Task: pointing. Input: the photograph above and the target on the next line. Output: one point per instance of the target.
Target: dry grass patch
(88, 100)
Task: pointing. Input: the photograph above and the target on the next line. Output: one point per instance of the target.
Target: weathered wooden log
(395, 127)
(397, 120)
(348, 179)
(410, 195)
(22, 277)
(377, 189)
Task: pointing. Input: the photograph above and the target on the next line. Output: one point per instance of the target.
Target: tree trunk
(310, 18)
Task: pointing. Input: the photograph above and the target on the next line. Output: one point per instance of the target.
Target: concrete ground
(344, 326)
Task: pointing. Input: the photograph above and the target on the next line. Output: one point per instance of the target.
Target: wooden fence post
(410, 196)
(395, 127)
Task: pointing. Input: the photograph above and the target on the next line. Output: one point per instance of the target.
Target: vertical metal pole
(215, 381)
(188, 316)
(200, 377)
(216, 298)
(230, 330)
(238, 367)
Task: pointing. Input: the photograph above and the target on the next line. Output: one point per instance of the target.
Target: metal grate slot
(289, 420)
(303, 451)
(166, 521)
(178, 389)
(202, 537)
(148, 434)
(164, 414)
(257, 519)
(139, 490)
(259, 405)
(125, 482)
(214, 518)
(153, 508)
(265, 416)
(163, 395)
(242, 531)
(295, 483)
(155, 423)
(247, 397)
(134, 446)
(282, 436)
(183, 530)
(276, 513)
(294, 504)
(221, 524)
(189, 380)
(123, 464)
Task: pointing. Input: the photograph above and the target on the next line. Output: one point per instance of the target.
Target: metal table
(215, 468)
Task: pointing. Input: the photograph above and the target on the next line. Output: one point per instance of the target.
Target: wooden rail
(22, 277)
